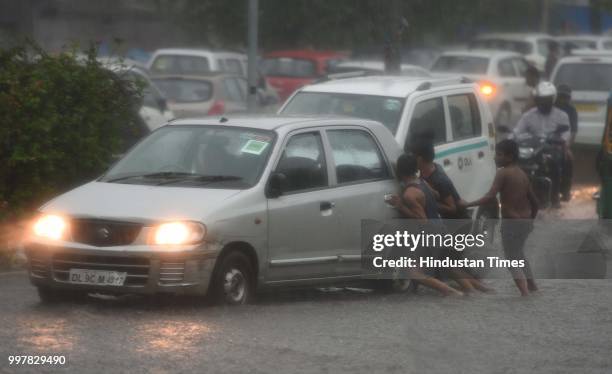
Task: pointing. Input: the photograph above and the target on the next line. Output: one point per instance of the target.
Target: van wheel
(233, 283)
(50, 295)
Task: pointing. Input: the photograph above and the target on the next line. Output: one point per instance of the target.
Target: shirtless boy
(519, 207)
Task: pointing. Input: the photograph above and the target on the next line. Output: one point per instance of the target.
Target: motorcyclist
(542, 121)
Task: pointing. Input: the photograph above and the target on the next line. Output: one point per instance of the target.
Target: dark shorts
(514, 234)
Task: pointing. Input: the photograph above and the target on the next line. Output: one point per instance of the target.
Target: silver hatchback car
(222, 207)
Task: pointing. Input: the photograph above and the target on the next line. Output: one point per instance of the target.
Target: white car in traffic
(533, 46)
(590, 78)
(500, 76)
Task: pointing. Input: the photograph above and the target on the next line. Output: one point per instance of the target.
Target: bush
(63, 117)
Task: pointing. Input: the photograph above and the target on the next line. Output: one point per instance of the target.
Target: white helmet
(545, 89)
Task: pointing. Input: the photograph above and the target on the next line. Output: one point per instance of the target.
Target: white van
(456, 113)
(590, 77)
(186, 61)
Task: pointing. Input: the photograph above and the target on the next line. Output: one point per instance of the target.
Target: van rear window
(585, 77)
(177, 64)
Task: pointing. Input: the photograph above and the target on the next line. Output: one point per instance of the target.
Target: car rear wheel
(233, 283)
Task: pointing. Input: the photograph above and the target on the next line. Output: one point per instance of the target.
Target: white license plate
(97, 277)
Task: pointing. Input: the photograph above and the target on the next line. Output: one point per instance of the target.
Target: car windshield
(386, 110)
(289, 67)
(461, 64)
(185, 90)
(194, 156)
(585, 77)
(178, 64)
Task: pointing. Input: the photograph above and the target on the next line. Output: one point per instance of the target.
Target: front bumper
(148, 272)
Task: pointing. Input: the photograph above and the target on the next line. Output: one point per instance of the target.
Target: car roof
(514, 35)
(587, 59)
(274, 122)
(389, 86)
(194, 51)
(304, 53)
(485, 53)
(374, 64)
(202, 77)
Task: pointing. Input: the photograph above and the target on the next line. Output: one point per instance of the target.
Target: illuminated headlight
(175, 233)
(51, 227)
(525, 152)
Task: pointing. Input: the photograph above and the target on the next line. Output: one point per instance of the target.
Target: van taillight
(217, 108)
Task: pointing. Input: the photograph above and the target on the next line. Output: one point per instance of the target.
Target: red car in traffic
(288, 70)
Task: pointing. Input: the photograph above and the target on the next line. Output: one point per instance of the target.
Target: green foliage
(63, 117)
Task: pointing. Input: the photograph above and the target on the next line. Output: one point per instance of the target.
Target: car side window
(232, 90)
(356, 156)
(428, 120)
(303, 163)
(521, 66)
(465, 117)
(506, 68)
(233, 65)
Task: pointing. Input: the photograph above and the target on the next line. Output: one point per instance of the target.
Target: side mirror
(503, 129)
(276, 184)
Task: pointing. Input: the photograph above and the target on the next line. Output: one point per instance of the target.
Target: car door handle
(446, 162)
(326, 205)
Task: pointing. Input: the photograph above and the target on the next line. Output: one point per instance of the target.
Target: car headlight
(180, 232)
(525, 152)
(50, 226)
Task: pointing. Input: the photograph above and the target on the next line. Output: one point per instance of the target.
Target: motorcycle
(537, 157)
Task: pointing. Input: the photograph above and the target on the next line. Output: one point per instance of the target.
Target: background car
(375, 66)
(590, 78)
(534, 46)
(286, 71)
(197, 96)
(570, 42)
(154, 110)
(188, 61)
(500, 76)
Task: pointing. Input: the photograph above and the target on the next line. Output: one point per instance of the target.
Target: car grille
(38, 265)
(137, 268)
(103, 233)
(171, 273)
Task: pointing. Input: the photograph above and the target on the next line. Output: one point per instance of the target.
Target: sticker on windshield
(392, 104)
(255, 147)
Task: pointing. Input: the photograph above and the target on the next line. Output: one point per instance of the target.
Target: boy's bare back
(517, 197)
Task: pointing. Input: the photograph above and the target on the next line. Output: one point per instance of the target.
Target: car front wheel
(233, 283)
